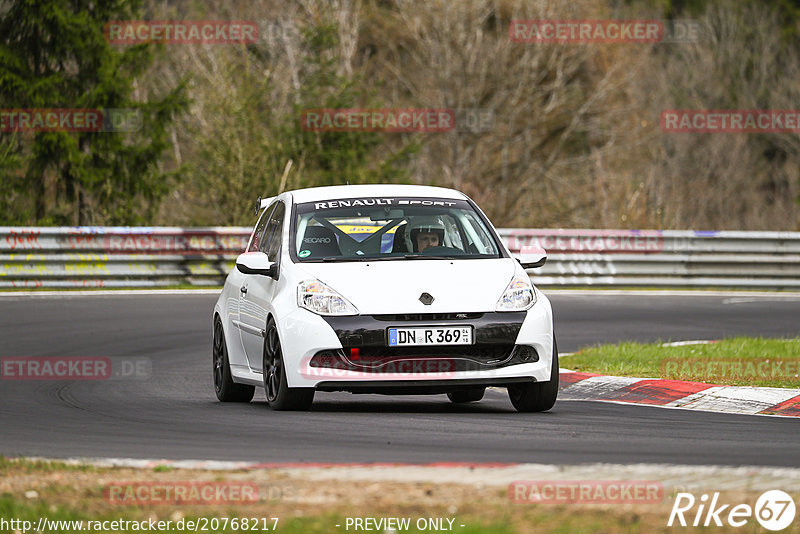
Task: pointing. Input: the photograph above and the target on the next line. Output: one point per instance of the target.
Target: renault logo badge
(426, 298)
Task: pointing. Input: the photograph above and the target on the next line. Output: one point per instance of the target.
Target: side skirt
(244, 375)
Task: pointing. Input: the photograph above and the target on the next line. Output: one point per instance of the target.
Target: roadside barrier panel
(76, 257)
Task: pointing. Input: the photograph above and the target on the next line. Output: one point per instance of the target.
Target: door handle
(243, 290)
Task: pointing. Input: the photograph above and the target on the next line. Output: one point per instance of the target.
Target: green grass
(61, 500)
(510, 520)
(163, 469)
(737, 361)
(506, 520)
(11, 508)
(40, 466)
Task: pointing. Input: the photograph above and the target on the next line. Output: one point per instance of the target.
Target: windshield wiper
(426, 257)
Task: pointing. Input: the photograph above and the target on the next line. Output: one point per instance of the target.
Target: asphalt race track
(174, 414)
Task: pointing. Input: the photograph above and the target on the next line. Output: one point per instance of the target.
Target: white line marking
(690, 342)
(667, 293)
(773, 298)
(109, 293)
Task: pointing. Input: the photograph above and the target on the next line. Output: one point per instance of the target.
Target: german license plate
(430, 335)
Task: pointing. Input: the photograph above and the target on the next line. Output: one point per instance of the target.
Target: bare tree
(574, 138)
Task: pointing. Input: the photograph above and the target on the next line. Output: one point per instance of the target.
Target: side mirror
(257, 263)
(532, 257)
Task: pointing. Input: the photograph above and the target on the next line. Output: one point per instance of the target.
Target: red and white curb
(680, 394)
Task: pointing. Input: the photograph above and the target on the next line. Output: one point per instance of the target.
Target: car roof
(372, 190)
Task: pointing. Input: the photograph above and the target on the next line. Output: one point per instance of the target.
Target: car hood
(388, 287)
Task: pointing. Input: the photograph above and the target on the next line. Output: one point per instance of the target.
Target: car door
(256, 291)
(233, 284)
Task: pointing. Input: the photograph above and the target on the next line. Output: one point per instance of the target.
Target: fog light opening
(527, 354)
(326, 359)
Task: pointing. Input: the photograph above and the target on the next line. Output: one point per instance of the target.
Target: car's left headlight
(317, 297)
(518, 296)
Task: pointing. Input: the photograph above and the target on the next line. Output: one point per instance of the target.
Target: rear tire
(466, 395)
(537, 396)
(279, 395)
(226, 389)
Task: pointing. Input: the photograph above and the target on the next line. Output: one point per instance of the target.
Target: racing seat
(399, 241)
(320, 242)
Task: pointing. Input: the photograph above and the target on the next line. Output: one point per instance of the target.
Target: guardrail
(85, 257)
(33, 257)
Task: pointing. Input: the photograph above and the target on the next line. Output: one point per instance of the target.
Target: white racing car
(390, 289)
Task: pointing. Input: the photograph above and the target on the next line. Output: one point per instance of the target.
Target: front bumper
(417, 387)
(318, 352)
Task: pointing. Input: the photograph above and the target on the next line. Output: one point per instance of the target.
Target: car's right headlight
(317, 297)
(518, 296)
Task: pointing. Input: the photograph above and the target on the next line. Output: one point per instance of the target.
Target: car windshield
(360, 229)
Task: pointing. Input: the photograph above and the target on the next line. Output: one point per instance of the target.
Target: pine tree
(53, 54)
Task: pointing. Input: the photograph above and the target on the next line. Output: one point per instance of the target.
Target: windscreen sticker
(386, 202)
(351, 202)
(304, 253)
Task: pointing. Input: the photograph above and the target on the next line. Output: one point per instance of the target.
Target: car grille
(427, 317)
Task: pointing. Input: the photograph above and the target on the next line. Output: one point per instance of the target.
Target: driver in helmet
(424, 232)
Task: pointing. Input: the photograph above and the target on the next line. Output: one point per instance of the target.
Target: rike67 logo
(774, 510)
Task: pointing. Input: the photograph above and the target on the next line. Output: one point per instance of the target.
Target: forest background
(574, 139)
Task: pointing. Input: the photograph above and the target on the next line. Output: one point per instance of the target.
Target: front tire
(226, 389)
(537, 396)
(279, 395)
(466, 395)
